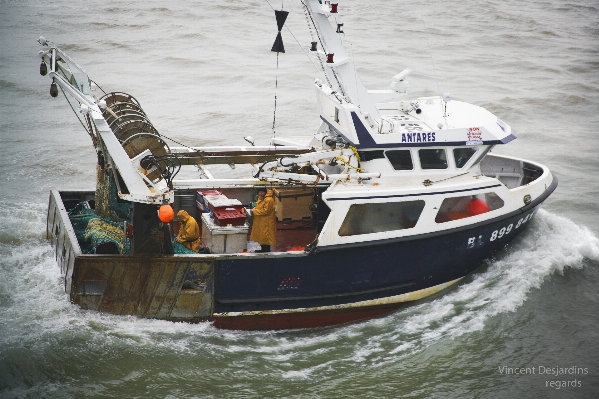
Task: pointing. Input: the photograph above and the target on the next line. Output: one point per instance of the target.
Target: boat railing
(511, 172)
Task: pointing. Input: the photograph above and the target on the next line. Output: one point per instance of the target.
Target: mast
(338, 67)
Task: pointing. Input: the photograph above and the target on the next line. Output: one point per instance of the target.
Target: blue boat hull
(352, 282)
(322, 287)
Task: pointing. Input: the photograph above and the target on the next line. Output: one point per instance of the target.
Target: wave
(40, 310)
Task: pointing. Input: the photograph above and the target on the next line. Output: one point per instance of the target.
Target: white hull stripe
(407, 297)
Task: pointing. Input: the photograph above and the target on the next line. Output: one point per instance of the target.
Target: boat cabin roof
(423, 122)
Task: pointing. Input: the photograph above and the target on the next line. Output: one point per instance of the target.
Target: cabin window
(462, 156)
(482, 154)
(379, 217)
(370, 155)
(400, 159)
(433, 159)
(466, 206)
(336, 114)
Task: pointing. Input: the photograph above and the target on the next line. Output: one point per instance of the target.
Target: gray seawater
(203, 72)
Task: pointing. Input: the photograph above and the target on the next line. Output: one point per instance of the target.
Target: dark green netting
(92, 231)
(108, 204)
(179, 248)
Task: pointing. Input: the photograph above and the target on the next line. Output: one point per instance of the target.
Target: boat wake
(32, 297)
(551, 245)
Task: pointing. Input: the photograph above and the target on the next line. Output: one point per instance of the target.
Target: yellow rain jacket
(189, 232)
(264, 227)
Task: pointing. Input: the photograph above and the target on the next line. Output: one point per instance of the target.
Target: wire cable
(75, 112)
(431, 54)
(274, 116)
(98, 86)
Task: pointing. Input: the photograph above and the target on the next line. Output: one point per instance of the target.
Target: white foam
(40, 312)
(551, 244)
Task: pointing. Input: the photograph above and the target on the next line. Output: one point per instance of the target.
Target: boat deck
(294, 235)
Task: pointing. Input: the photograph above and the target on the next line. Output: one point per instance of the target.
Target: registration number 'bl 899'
(499, 233)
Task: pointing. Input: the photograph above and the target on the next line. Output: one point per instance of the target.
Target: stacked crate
(293, 204)
(223, 239)
(224, 227)
(223, 210)
(226, 211)
(201, 196)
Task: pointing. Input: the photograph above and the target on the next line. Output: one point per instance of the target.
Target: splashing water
(34, 300)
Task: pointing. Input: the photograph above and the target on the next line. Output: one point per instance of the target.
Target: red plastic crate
(200, 194)
(220, 201)
(234, 216)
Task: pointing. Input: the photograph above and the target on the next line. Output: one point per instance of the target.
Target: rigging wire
(75, 112)
(351, 45)
(176, 142)
(311, 23)
(274, 116)
(98, 86)
(322, 45)
(323, 68)
(308, 18)
(431, 54)
(302, 47)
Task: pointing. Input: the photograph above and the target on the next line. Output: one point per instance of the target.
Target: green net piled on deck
(98, 234)
(93, 231)
(179, 248)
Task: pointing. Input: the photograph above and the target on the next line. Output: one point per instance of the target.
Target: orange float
(166, 213)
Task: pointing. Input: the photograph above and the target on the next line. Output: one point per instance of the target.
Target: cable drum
(133, 129)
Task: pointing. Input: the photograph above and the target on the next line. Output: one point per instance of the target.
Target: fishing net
(108, 204)
(179, 248)
(93, 231)
(100, 232)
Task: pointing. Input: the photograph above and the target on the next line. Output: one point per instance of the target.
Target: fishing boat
(391, 200)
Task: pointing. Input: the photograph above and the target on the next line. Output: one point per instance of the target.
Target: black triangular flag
(281, 17)
(278, 44)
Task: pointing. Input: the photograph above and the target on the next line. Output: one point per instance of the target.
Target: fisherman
(264, 227)
(189, 232)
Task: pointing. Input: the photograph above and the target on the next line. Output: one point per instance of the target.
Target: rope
(357, 155)
(428, 182)
(355, 150)
(346, 163)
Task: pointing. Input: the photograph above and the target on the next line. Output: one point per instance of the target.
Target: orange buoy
(477, 207)
(166, 213)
